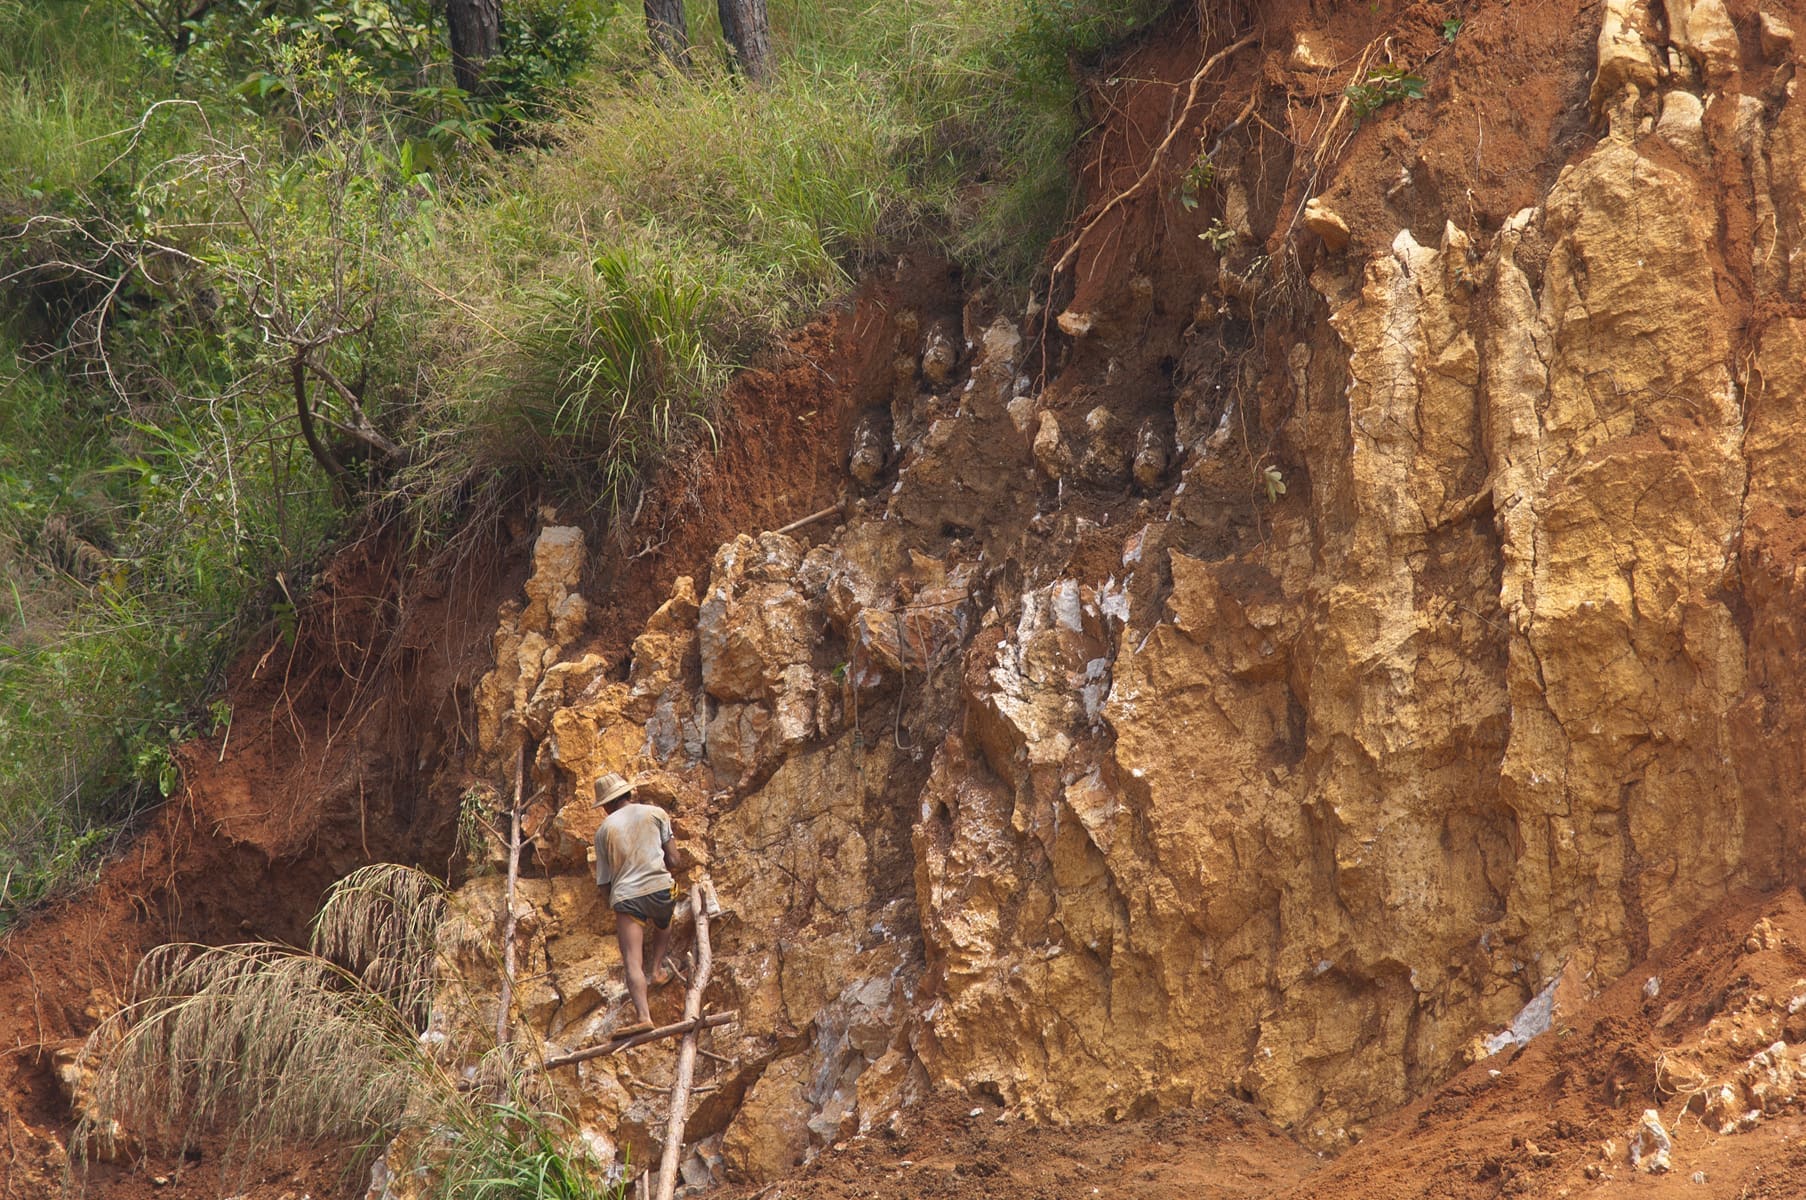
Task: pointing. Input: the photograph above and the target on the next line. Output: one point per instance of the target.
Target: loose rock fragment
(1650, 1144)
(939, 356)
(871, 447)
(1326, 223)
(1625, 60)
(1106, 457)
(1051, 454)
(1776, 35)
(1153, 453)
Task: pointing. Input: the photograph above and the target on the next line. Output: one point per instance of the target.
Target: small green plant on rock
(475, 834)
(1198, 178)
(1275, 482)
(1383, 85)
(1219, 236)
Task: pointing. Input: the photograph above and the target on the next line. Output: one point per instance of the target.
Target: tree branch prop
(512, 924)
(811, 519)
(686, 1055)
(640, 1039)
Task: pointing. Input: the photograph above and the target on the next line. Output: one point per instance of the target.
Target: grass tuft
(274, 1045)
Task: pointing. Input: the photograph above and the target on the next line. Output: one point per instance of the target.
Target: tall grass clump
(994, 88)
(56, 107)
(611, 282)
(274, 1045)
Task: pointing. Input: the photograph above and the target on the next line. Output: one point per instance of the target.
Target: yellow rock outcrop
(1494, 691)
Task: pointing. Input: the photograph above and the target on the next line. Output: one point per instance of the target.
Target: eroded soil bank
(1287, 694)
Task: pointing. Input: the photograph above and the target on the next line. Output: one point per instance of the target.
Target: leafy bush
(397, 43)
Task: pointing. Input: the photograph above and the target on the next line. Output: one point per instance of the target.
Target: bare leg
(632, 936)
(661, 945)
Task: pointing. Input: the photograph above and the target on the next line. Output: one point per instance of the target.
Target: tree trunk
(670, 36)
(748, 31)
(475, 27)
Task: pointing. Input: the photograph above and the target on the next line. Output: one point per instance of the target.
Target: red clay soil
(321, 770)
(960, 1149)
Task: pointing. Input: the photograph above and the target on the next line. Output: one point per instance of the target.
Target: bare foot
(663, 973)
(627, 1031)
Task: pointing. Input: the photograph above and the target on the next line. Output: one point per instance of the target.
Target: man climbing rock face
(634, 860)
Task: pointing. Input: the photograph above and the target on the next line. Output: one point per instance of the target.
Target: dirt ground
(1225, 1153)
(1540, 1126)
(1533, 1123)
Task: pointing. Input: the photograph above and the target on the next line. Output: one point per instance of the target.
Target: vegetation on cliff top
(211, 229)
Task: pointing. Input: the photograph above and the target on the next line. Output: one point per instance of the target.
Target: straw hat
(611, 787)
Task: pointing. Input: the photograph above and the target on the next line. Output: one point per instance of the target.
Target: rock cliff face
(1275, 678)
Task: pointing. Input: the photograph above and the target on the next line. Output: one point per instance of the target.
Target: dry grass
(270, 1044)
(276, 1044)
(382, 922)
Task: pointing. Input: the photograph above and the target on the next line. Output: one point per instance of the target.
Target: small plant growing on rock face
(1451, 28)
(1383, 85)
(474, 831)
(1198, 178)
(1274, 480)
(1219, 236)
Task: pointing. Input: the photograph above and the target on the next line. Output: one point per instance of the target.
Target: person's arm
(668, 847)
(604, 873)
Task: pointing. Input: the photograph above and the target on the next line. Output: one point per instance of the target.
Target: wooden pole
(686, 1055)
(639, 1039)
(808, 520)
(511, 924)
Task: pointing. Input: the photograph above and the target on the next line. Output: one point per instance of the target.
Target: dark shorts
(654, 908)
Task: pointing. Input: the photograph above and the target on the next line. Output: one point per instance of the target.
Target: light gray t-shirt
(630, 852)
